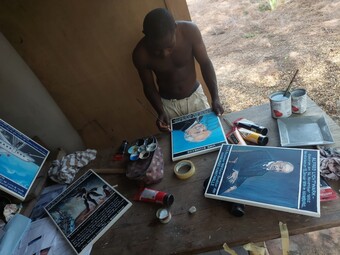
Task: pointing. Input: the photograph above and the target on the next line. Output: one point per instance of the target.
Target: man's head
(159, 28)
(197, 133)
(281, 166)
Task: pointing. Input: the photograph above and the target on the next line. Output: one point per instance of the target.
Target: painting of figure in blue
(196, 132)
(285, 179)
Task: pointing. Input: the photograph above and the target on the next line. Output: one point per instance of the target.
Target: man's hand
(217, 107)
(163, 123)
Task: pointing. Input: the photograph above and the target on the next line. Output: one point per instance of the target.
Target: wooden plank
(207, 229)
(212, 225)
(178, 8)
(82, 55)
(110, 170)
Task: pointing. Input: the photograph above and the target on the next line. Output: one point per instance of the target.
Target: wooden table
(139, 232)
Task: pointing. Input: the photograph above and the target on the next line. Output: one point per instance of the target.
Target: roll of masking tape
(184, 169)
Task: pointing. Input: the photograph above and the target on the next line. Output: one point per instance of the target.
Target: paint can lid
(164, 215)
(168, 199)
(237, 210)
(263, 130)
(262, 140)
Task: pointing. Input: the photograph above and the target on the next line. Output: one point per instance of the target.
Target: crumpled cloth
(64, 170)
(330, 162)
(10, 210)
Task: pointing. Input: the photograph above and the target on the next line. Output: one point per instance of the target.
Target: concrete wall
(26, 104)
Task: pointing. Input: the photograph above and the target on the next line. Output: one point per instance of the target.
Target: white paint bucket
(280, 105)
(299, 100)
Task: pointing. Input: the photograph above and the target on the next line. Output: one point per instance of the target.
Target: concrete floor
(324, 242)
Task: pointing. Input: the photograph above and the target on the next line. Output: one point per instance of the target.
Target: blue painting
(195, 134)
(285, 179)
(21, 159)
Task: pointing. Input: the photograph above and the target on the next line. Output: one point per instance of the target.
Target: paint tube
(154, 196)
(253, 137)
(247, 124)
(235, 137)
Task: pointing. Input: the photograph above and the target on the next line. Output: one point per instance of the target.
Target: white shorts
(178, 107)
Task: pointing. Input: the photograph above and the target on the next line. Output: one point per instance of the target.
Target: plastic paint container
(235, 137)
(154, 196)
(280, 105)
(253, 137)
(164, 215)
(299, 100)
(244, 123)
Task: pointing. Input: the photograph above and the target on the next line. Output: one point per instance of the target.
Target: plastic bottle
(235, 137)
(253, 137)
(247, 124)
(155, 196)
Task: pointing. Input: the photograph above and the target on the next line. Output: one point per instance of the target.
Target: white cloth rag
(64, 170)
(330, 162)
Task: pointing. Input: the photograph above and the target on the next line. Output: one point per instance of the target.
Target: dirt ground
(256, 50)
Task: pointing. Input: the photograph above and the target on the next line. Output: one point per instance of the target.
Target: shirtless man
(167, 51)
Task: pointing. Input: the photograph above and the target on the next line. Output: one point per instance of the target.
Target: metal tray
(304, 131)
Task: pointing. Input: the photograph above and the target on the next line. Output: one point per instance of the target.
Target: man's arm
(150, 90)
(207, 68)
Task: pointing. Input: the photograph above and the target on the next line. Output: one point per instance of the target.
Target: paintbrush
(153, 114)
(290, 83)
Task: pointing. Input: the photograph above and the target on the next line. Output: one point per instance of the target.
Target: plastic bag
(148, 170)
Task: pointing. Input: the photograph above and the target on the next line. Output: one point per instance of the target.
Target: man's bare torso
(175, 73)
